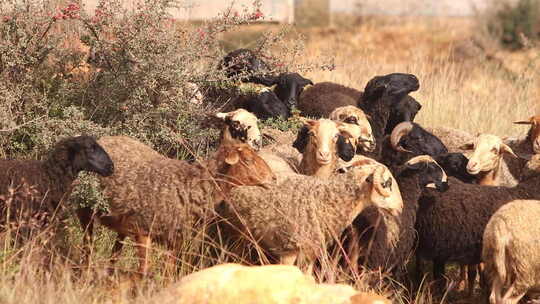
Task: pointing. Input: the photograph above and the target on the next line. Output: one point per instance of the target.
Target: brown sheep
(301, 215)
(322, 98)
(163, 198)
(32, 190)
(450, 225)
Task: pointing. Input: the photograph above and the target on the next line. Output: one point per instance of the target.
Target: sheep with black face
(246, 65)
(280, 101)
(32, 190)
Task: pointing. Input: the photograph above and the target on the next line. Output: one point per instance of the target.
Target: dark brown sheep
(450, 225)
(32, 190)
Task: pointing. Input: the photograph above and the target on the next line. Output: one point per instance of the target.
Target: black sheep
(279, 102)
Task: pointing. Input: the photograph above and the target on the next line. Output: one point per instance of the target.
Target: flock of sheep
(359, 172)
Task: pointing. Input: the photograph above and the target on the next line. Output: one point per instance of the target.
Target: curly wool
(450, 225)
(302, 213)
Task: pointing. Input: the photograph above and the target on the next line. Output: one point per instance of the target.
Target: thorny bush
(134, 70)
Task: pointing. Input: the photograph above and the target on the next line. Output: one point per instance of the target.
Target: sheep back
(300, 212)
(161, 196)
(322, 98)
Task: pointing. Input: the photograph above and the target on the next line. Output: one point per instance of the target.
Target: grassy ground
(461, 86)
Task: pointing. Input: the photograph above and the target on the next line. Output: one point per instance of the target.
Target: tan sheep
(487, 163)
(511, 245)
(321, 143)
(302, 214)
(269, 284)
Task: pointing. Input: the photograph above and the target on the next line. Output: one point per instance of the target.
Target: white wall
(273, 10)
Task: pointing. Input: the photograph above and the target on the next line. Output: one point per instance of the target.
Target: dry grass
(458, 90)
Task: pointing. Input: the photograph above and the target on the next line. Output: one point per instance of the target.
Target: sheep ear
(467, 146)
(508, 150)
(232, 158)
(345, 149)
(221, 115)
(531, 121)
(301, 140)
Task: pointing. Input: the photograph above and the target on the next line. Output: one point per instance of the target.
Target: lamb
(389, 240)
(302, 214)
(510, 251)
(321, 143)
(161, 199)
(32, 190)
(450, 225)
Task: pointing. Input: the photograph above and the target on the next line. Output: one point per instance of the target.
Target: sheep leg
(288, 259)
(509, 299)
(438, 274)
(116, 250)
(143, 246)
(86, 220)
(496, 291)
(471, 274)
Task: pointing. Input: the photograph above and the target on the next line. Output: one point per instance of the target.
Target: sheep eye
(494, 150)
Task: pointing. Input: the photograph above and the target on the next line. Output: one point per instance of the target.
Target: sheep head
(532, 168)
(239, 164)
(394, 85)
(82, 153)
(430, 173)
(404, 110)
(355, 123)
(411, 137)
(321, 140)
(289, 87)
(455, 164)
(246, 63)
(533, 136)
(488, 152)
(241, 127)
(380, 186)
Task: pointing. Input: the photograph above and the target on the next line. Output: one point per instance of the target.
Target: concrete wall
(273, 10)
(411, 7)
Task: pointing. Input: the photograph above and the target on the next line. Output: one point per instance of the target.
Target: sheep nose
(324, 156)
(472, 166)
